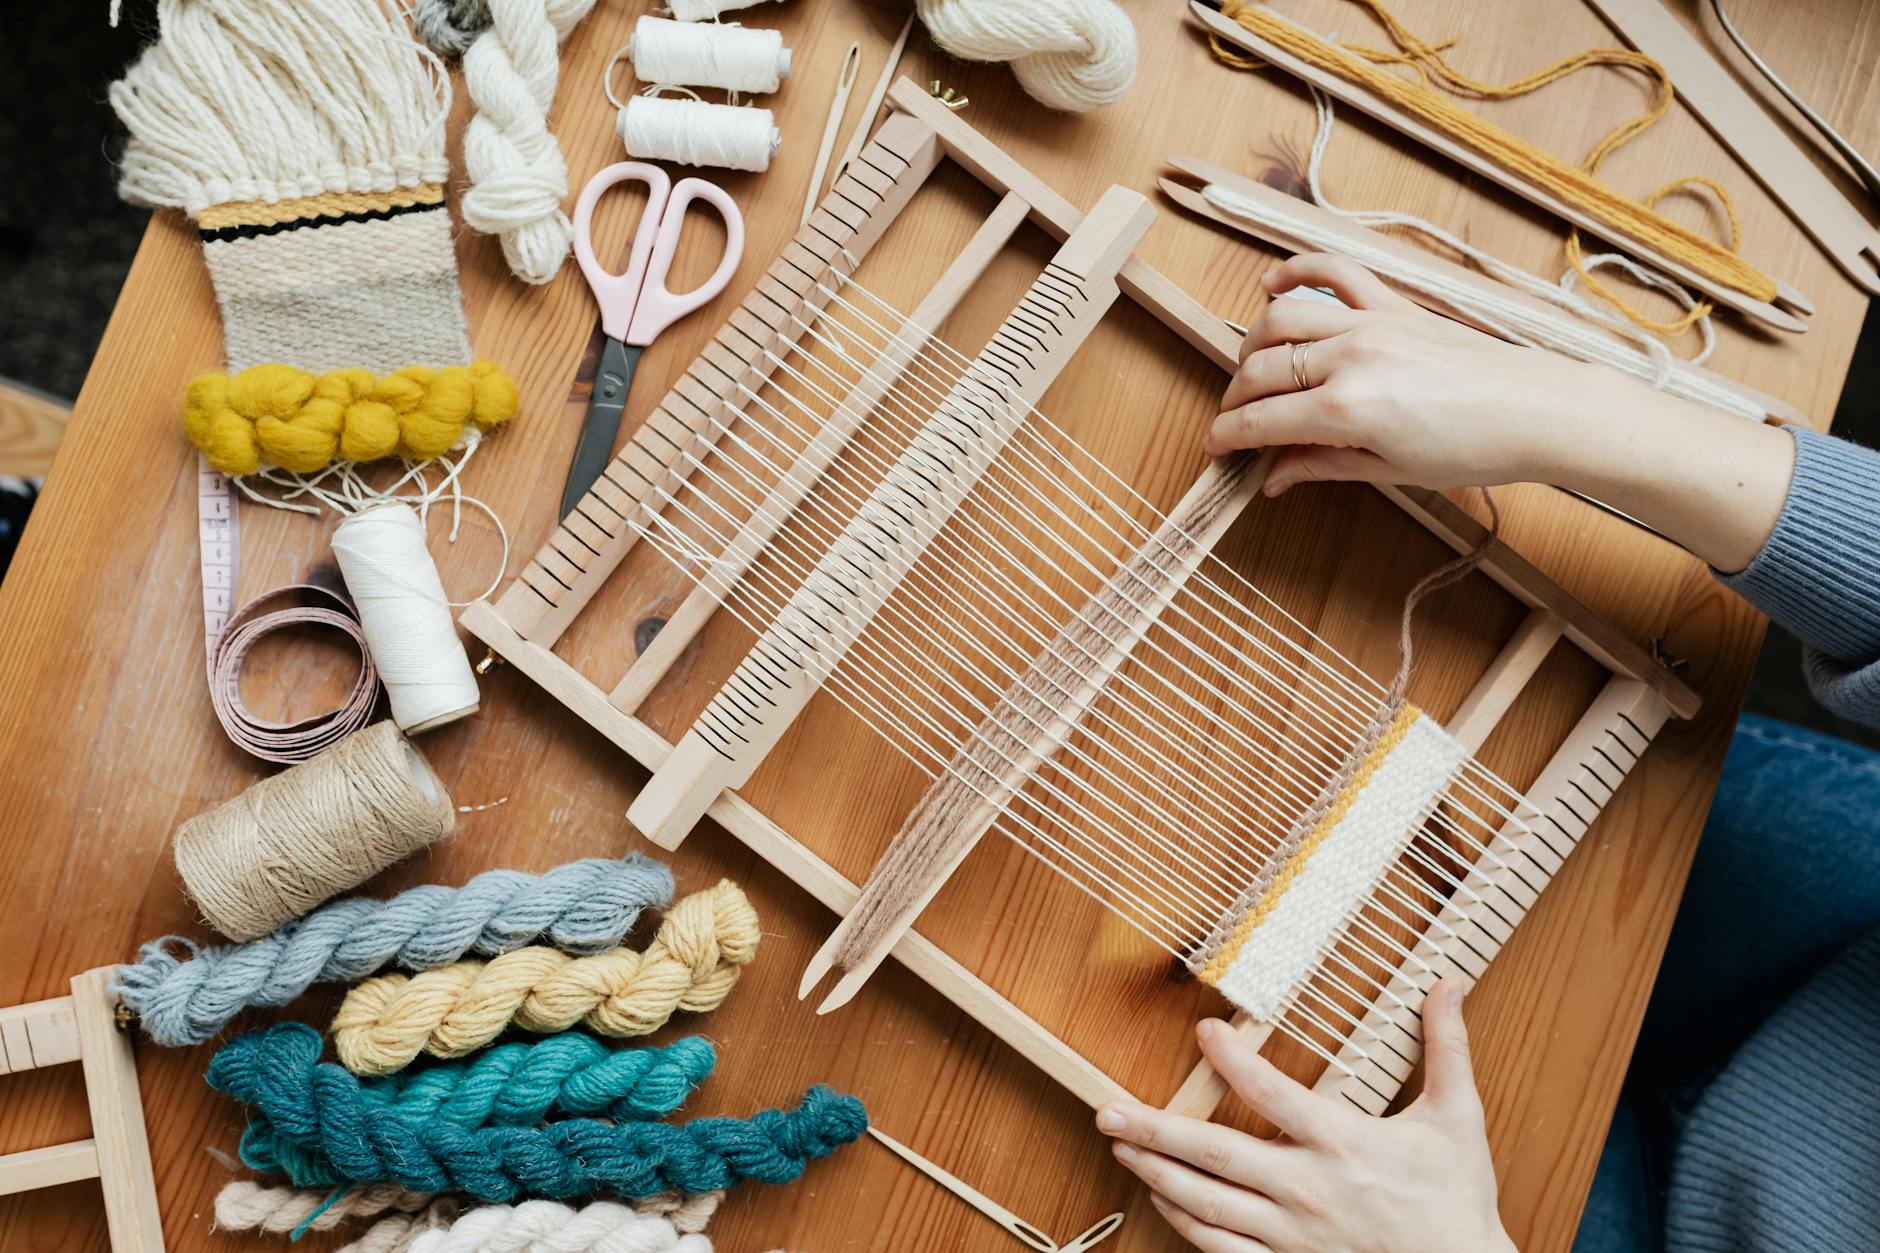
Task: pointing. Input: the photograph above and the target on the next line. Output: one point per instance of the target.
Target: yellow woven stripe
(1393, 736)
(326, 205)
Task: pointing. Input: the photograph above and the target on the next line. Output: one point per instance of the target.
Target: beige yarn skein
(293, 840)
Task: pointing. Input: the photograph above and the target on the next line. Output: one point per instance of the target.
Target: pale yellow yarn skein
(298, 838)
(701, 948)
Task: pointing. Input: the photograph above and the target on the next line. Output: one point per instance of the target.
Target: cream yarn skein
(302, 836)
(518, 177)
(1074, 55)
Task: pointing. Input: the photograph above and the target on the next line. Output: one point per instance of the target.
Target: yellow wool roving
(701, 948)
(274, 414)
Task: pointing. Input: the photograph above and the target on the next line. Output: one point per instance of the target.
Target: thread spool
(691, 132)
(298, 838)
(735, 58)
(406, 617)
(707, 10)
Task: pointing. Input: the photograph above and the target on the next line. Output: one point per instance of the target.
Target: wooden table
(108, 741)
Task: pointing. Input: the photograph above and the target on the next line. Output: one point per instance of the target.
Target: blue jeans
(1786, 877)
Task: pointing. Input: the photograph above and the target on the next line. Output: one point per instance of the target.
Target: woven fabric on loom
(1258, 957)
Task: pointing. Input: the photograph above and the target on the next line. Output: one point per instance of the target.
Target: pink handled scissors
(635, 304)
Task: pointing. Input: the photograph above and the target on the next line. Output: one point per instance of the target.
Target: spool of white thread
(406, 617)
(735, 58)
(691, 132)
(706, 10)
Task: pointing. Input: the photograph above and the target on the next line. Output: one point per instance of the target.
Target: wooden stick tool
(845, 83)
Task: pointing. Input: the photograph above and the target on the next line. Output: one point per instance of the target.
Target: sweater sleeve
(1818, 574)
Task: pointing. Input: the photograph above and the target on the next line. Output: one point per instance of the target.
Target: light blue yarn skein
(583, 907)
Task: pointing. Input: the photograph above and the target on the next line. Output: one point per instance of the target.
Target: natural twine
(292, 841)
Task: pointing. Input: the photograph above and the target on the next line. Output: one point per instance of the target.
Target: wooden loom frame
(82, 1028)
(524, 623)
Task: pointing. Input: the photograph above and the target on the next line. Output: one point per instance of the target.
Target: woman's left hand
(1335, 1179)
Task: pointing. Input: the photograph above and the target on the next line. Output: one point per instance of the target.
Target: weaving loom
(884, 519)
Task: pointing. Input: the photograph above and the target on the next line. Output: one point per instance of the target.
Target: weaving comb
(962, 437)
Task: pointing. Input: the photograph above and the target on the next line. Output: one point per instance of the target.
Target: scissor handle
(618, 294)
(659, 307)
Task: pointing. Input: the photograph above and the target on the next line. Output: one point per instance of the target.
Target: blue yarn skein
(574, 1158)
(278, 1070)
(583, 907)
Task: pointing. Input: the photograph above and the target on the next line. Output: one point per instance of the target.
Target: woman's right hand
(1396, 394)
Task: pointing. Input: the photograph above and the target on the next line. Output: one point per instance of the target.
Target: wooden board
(111, 742)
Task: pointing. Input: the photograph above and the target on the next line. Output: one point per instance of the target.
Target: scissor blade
(612, 379)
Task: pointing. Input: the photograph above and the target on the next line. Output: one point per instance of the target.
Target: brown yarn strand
(294, 840)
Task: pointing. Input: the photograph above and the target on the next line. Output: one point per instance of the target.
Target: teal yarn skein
(576, 1157)
(279, 1071)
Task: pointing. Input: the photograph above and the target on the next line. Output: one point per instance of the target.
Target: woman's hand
(1396, 394)
(1335, 1179)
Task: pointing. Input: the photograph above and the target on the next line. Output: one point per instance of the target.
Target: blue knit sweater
(1782, 1151)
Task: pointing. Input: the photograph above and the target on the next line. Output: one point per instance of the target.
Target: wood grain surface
(107, 741)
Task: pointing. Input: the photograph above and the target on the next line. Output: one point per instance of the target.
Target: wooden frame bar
(1572, 788)
(81, 1028)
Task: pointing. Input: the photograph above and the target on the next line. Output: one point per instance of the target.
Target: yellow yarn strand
(701, 948)
(274, 414)
(1633, 219)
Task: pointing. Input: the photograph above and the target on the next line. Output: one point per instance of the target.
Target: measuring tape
(218, 542)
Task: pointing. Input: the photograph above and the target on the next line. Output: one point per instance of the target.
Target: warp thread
(576, 1157)
(1576, 186)
(294, 840)
(278, 1070)
(297, 605)
(694, 960)
(244, 1205)
(693, 132)
(273, 414)
(711, 54)
(518, 176)
(1074, 55)
(406, 617)
(551, 1227)
(581, 907)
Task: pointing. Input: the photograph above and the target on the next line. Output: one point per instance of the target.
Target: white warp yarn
(406, 616)
(1074, 55)
(518, 177)
(723, 55)
(706, 10)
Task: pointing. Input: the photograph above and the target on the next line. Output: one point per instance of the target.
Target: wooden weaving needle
(866, 122)
(1028, 1235)
(845, 83)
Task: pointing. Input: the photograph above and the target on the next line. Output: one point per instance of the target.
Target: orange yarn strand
(1631, 219)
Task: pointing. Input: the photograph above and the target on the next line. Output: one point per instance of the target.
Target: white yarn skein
(691, 132)
(551, 1227)
(518, 177)
(406, 617)
(707, 10)
(735, 58)
(1074, 55)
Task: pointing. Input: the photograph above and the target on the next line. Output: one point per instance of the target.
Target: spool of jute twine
(292, 841)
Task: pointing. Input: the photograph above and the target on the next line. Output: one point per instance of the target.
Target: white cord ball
(1074, 55)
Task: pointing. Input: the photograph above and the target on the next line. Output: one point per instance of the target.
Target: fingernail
(1125, 1153)
(1158, 1200)
(1111, 1120)
(1205, 1028)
